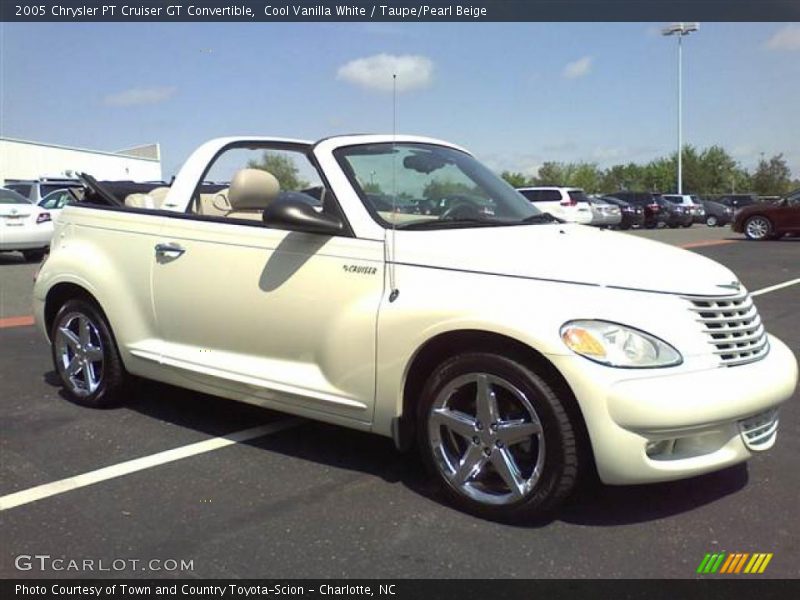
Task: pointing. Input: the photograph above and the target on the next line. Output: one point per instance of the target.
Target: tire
(712, 221)
(674, 225)
(540, 446)
(687, 225)
(758, 228)
(100, 380)
(34, 255)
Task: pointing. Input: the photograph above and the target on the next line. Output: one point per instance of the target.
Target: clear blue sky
(515, 94)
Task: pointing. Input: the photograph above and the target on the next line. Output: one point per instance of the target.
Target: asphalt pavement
(314, 500)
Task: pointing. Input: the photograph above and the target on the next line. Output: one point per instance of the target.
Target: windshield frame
(340, 155)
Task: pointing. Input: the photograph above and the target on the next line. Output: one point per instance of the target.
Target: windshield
(424, 186)
(12, 197)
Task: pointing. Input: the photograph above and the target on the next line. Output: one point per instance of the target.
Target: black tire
(113, 384)
(758, 228)
(712, 221)
(34, 255)
(559, 467)
(674, 225)
(687, 225)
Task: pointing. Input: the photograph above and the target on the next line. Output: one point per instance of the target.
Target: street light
(680, 29)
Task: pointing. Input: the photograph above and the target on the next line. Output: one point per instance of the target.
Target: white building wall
(21, 159)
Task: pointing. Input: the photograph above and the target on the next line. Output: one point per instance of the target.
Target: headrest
(252, 189)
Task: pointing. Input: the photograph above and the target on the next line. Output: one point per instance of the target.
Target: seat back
(216, 204)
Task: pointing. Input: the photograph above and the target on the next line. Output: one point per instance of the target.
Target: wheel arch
(444, 345)
(59, 294)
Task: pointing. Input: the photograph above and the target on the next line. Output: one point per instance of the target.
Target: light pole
(680, 29)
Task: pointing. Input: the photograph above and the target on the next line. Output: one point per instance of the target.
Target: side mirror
(296, 215)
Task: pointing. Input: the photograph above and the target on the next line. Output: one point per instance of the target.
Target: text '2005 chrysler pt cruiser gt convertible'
(394, 284)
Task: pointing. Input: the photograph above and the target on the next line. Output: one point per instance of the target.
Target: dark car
(675, 215)
(737, 201)
(769, 221)
(632, 215)
(647, 201)
(717, 215)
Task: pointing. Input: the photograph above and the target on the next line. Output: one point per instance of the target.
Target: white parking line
(777, 286)
(139, 464)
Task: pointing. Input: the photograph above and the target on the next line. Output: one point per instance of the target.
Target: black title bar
(398, 10)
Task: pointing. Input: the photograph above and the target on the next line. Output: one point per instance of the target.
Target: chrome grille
(733, 326)
(759, 431)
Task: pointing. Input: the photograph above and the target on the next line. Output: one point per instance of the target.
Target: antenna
(392, 232)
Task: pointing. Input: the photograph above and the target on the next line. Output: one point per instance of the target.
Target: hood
(568, 253)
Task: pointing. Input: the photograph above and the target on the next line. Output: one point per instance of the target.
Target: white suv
(567, 203)
(692, 202)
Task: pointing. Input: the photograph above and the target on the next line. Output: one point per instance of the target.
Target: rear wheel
(86, 357)
(758, 228)
(497, 438)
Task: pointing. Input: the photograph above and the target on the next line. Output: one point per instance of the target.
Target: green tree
(437, 189)
(372, 188)
(515, 179)
(282, 167)
(772, 177)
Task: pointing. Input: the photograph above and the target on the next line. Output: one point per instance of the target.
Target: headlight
(618, 346)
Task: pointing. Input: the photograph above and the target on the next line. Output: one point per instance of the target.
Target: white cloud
(787, 38)
(579, 68)
(138, 96)
(375, 72)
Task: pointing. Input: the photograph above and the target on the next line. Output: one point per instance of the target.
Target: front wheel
(711, 221)
(758, 228)
(86, 357)
(497, 438)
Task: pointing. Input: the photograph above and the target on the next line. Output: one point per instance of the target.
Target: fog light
(659, 448)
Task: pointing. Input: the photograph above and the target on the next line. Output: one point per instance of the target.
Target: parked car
(691, 203)
(24, 227)
(737, 201)
(568, 204)
(604, 214)
(58, 199)
(648, 202)
(36, 189)
(717, 215)
(769, 221)
(518, 352)
(675, 215)
(631, 215)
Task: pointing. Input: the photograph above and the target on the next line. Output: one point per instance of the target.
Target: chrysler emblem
(733, 285)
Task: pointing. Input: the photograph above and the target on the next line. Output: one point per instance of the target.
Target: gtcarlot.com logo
(734, 563)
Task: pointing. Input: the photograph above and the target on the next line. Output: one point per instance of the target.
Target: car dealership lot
(319, 501)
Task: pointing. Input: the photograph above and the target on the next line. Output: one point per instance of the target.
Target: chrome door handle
(171, 249)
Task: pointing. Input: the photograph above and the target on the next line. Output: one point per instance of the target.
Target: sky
(515, 94)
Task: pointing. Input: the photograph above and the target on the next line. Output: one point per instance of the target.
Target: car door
(792, 211)
(280, 318)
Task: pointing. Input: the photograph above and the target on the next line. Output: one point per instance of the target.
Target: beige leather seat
(215, 205)
(158, 195)
(251, 191)
(140, 201)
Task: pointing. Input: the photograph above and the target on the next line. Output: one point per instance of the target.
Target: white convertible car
(393, 284)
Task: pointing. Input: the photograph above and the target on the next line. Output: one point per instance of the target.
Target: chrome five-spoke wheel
(79, 352)
(486, 438)
(499, 439)
(86, 357)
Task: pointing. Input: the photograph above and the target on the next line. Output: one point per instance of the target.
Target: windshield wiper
(450, 223)
(542, 218)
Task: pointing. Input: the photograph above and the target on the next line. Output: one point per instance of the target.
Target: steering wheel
(461, 210)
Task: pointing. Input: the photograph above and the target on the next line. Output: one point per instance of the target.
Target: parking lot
(310, 500)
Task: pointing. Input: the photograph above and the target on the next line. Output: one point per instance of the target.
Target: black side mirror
(296, 215)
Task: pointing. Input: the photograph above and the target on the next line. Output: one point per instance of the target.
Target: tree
(282, 167)
(773, 177)
(438, 189)
(515, 179)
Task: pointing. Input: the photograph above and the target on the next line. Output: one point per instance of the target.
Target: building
(22, 159)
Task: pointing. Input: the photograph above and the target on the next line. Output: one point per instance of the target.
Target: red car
(769, 221)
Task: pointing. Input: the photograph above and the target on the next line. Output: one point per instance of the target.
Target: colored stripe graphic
(734, 563)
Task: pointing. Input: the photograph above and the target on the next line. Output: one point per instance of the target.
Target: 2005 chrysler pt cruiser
(394, 284)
